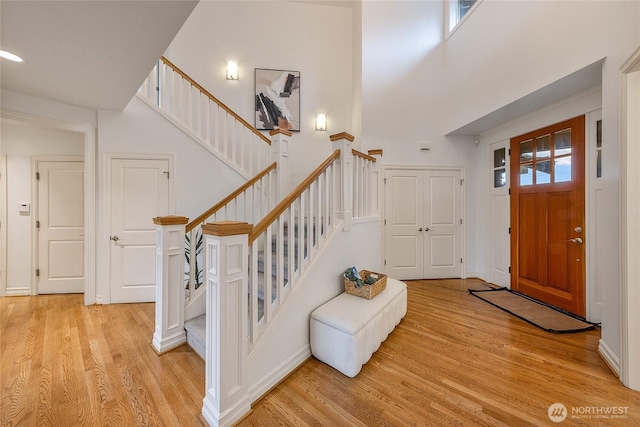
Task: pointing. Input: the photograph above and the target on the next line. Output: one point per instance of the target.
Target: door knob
(114, 238)
(576, 240)
(427, 229)
(420, 229)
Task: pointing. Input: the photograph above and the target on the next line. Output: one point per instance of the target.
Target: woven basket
(366, 291)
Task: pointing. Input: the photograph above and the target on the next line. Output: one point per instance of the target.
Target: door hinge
(460, 260)
(166, 173)
(509, 230)
(37, 224)
(460, 221)
(37, 272)
(385, 180)
(385, 262)
(38, 176)
(461, 181)
(385, 222)
(509, 270)
(509, 191)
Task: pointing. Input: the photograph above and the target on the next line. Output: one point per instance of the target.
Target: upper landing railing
(205, 118)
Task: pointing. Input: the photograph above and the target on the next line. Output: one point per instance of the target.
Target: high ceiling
(90, 54)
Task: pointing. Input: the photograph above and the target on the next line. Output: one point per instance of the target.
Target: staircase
(266, 256)
(196, 327)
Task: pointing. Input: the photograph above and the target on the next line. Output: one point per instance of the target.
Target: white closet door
(423, 230)
(442, 224)
(404, 222)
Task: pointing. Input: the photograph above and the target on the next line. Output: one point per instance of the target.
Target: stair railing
(180, 244)
(205, 118)
(265, 262)
(249, 203)
(283, 244)
(365, 185)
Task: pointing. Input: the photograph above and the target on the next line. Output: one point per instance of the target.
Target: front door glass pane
(526, 174)
(562, 142)
(526, 151)
(563, 169)
(543, 172)
(543, 147)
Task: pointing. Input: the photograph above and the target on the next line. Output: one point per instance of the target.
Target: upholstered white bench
(346, 330)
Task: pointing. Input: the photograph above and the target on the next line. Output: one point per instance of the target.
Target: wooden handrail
(260, 227)
(193, 224)
(364, 156)
(216, 100)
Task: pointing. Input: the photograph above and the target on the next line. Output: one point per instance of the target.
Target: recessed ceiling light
(10, 56)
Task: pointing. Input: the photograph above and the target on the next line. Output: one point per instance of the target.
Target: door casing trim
(463, 206)
(89, 133)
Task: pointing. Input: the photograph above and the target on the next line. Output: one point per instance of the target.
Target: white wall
(405, 84)
(313, 39)
(200, 178)
(286, 342)
(20, 143)
(419, 87)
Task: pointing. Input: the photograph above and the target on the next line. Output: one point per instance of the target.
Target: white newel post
(280, 153)
(343, 142)
(169, 332)
(226, 256)
(376, 181)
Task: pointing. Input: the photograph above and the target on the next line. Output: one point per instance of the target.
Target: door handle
(427, 229)
(420, 229)
(114, 238)
(576, 240)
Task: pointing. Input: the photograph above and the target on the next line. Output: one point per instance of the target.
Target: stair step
(196, 334)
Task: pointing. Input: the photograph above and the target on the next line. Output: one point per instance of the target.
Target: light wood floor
(453, 360)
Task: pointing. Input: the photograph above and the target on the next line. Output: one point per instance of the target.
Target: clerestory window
(456, 11)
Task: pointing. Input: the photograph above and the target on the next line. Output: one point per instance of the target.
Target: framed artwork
(277, 99)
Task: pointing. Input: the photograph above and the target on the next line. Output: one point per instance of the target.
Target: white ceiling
(91, 54)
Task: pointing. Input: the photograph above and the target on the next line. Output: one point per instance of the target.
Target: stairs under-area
(196, 334)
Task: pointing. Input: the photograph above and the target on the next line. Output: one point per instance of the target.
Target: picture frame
(277, 99)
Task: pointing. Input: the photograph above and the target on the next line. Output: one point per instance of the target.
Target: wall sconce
(232, 70)
(321, 122)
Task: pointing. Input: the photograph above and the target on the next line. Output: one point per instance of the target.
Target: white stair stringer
(195, 137)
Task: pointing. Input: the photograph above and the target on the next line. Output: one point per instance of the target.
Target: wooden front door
(548, 215)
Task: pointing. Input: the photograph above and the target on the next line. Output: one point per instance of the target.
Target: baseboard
(17, 292)
(609, 358)
(266, 384)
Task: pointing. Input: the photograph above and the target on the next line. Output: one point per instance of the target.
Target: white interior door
(442, 224)
(61, 227)
(423, 229)
(499, 240)
(139, 191)
(404, 224)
